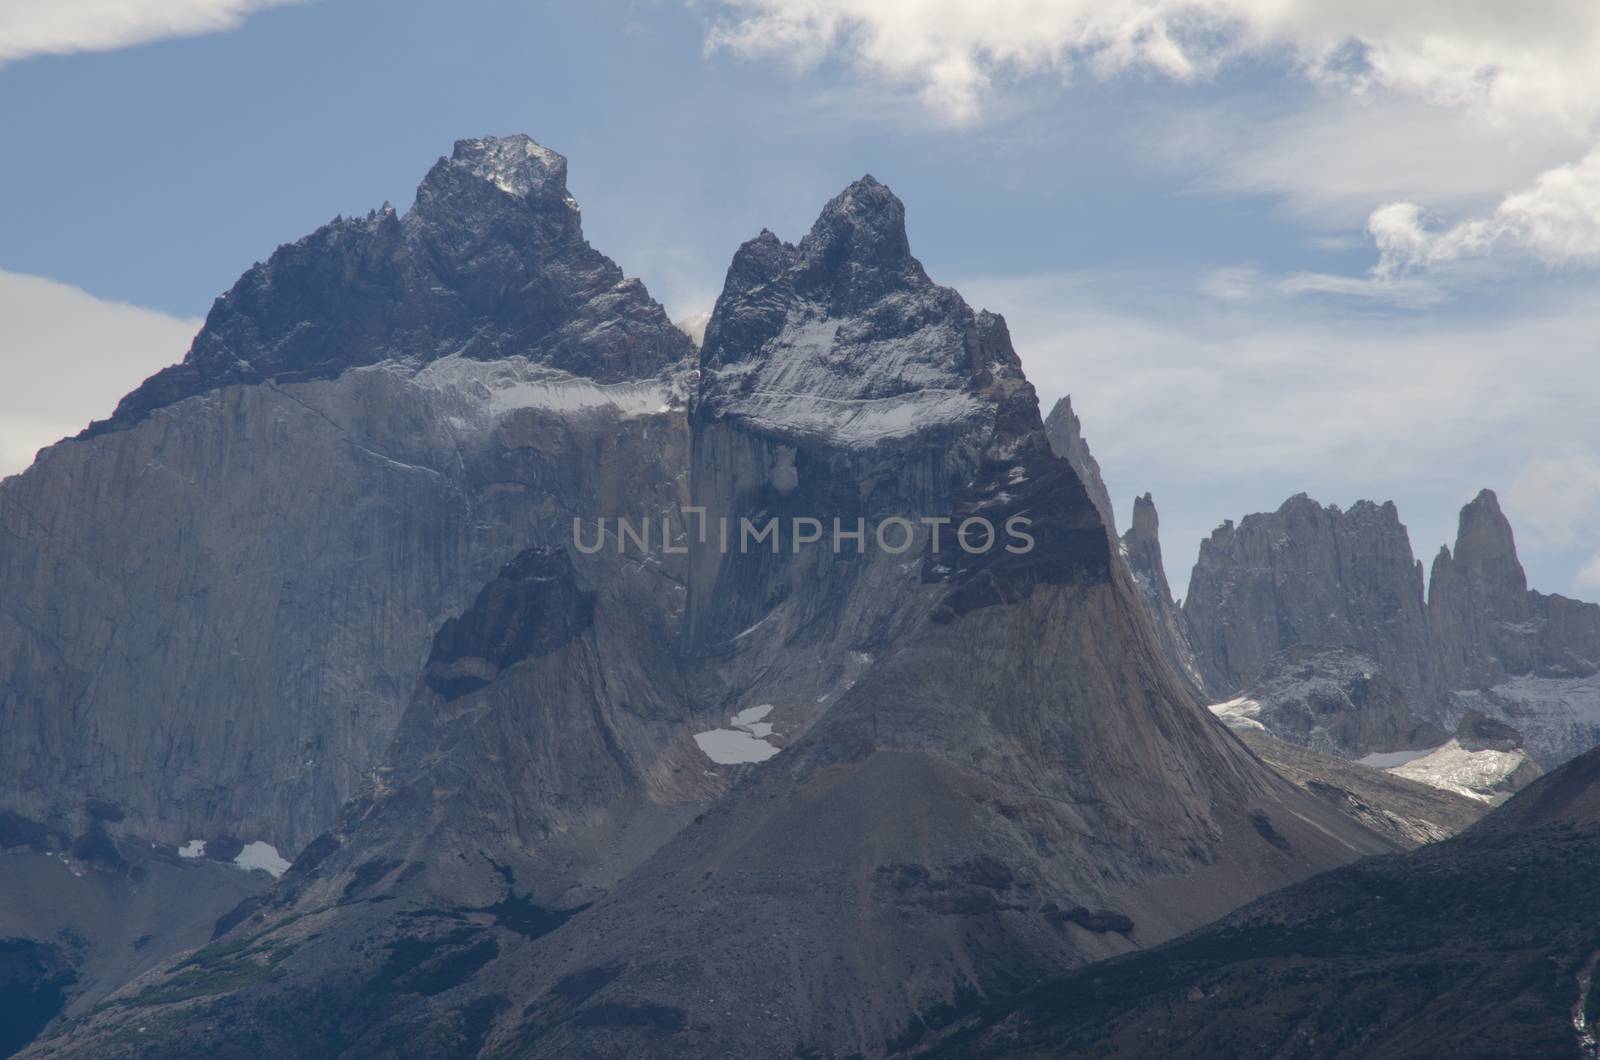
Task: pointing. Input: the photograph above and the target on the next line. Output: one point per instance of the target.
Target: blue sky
(1197, 236)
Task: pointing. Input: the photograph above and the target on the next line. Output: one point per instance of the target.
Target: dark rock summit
(489, 262)
(532, 608)
(1065, 431)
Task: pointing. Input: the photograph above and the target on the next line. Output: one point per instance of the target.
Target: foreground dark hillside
(1481, 946)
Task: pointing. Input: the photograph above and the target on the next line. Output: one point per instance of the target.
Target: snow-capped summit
(516, 165)
(843, 337)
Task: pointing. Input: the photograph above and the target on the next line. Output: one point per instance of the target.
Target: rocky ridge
(1310, 575)
(1292, 605)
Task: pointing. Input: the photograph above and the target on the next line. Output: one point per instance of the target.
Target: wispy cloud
(68, 357)
(1407, 292)
(1329, 159)
(60, 27)
(1560, 496)
(1225, 406)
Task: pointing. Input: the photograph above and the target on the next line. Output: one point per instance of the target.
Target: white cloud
(1589, 576)
(1535, 57)
(1230, 284)
(1556, 219)
(1435, 101)
(66, 357)
(60, 27)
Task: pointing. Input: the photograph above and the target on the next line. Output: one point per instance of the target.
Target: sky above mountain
(1269, 246)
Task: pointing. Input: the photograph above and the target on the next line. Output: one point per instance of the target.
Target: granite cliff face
(1310, 575)
(1530, 659)
(1309, 622)
(1336, 701)
(217, 604)
(630, 789)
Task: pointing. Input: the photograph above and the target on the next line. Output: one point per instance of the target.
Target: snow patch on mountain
(1480, 775)
(744, 743)
(1390, 759)
(839, 380)
(1559, 717)
(263, 856)
(482, 392)
(1239, 713)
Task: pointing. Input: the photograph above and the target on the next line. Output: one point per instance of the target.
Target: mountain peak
(1065, 431)
(491, 224)
(1146, 523)
(865, 224)
(1484, 539)
(517, 165)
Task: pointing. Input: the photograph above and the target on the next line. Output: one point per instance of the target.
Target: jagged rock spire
(1065, 431)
